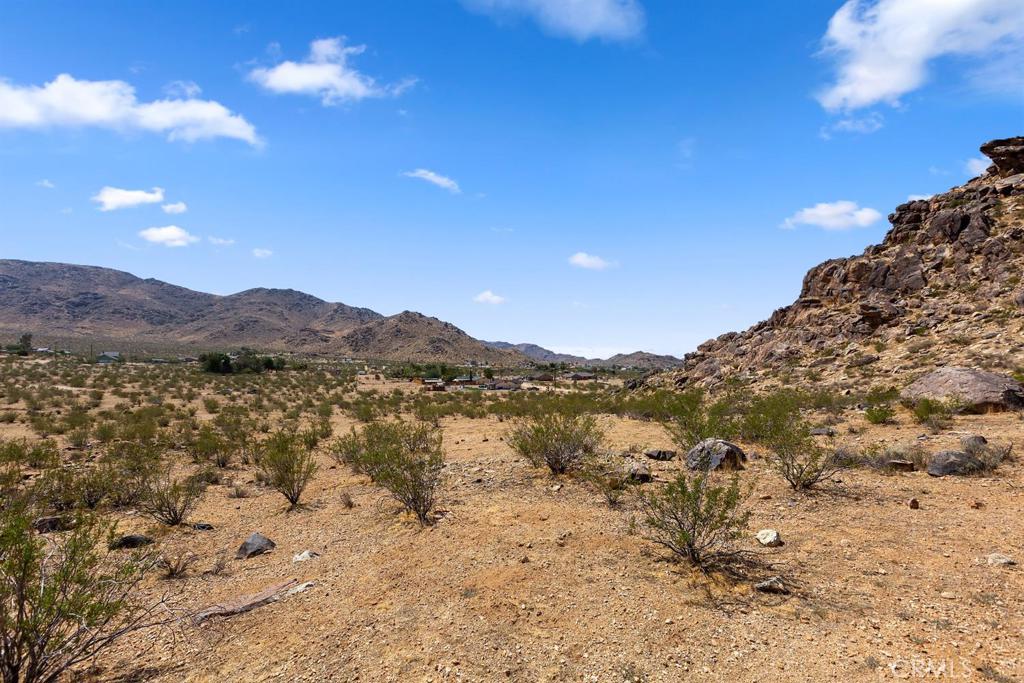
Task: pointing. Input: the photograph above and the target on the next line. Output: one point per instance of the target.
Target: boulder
(638, 473)
(306, 556)
(953, 462)
(660, 454)
(975, 390)
(714, 453)
(1007, 155)
(256, 544)
(974, 443)
(130, 541)
(769, 538)
(823, 431)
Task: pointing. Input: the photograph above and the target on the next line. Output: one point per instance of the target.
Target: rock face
(714, 453)
(946, 463)
(948, 269)
(975, 390)
(256, 544)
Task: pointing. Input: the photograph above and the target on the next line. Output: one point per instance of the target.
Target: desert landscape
(594, 341)
(300, 517)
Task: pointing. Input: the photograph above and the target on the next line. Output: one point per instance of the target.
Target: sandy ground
(525, 580)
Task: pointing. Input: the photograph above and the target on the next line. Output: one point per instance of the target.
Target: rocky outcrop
(949, 269)
(973, 390)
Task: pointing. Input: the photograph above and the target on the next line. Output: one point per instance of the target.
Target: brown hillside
(943, 288)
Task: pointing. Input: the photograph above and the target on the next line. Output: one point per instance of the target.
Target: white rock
(306, 555)
(770, 538)
(999, 560)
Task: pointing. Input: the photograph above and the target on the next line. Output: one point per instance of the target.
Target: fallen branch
(246, 603)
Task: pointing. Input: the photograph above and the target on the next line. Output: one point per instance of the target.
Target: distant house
(44, 349)
(542, 377)
(464, 380)
(108, 357)
(433, 384)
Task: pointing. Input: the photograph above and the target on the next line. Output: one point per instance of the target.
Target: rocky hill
(943, 288)
(71, 301)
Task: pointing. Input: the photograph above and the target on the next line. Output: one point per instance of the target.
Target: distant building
(542, 377)
(108, 357)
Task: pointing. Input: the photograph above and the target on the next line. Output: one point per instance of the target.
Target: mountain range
(87, 302)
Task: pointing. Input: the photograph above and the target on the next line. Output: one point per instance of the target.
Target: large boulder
(975, 390)
(714, 453)
(945, 463)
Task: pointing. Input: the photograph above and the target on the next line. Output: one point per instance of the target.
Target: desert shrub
(693, 419)
(879, 413)
(287, 465)
(802, 461)
(559, 441)
(170, 501)
(209, 446)
(403, 458)
(176, 565)
(879, 458)
(936, 415)
(695, 518)
(63, 600)
(610, 482)
(989, 455)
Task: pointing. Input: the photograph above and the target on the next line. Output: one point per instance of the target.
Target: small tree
(795, 454)
(63, 600)
(559, 441)
(287, 465)
(695, 518)
(24, 344)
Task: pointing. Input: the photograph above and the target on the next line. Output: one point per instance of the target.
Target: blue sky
(589, 175)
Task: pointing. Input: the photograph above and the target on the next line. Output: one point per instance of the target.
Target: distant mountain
(539, 353)
(637, 359)
(71, 301)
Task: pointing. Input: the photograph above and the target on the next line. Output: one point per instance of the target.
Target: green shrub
(559, 441)
(695, 518)
(63, 600)
(287, 465)
(170, 501)
(403, 458)
(879, 413)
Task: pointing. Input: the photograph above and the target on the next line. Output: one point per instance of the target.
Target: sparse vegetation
(696, 517)
(287, 465)
(560, 442)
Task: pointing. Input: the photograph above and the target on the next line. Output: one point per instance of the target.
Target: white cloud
(327, 74)
(841, 215)
(66, 101)
(262, 253)
(48, 184)
(582, 259)
(577, 19)
(976, 166)
(220, 241)
(175, 207)
(488, 297)
(183, 89)
(435, 179)
(918, 197)
(168, 236)
(861, 125)
(883, 47)
(113, 198)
